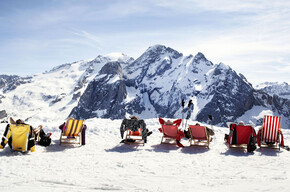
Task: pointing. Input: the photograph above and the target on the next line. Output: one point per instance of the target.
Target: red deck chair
(198, 135)
(171, 132)
(270, 133)
(240, 135)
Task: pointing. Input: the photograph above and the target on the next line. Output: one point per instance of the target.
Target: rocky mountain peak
(113, 68)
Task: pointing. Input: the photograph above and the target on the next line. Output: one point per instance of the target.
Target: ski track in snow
(105, 165)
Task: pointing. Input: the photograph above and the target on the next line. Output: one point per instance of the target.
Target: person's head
(241, 123)
(197, 124)
(168, 122)
(134, 117)
(19, 121)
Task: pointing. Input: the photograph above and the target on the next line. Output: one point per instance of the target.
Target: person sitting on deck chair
(19, 136)
(208, 130)
(134, 124)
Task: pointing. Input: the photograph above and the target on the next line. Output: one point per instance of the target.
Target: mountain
(275, 88)
(117, 86)
(154, 84)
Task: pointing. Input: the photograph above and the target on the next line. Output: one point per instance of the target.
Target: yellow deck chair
(72, 132)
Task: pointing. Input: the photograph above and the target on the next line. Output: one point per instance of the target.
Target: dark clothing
(134, 125)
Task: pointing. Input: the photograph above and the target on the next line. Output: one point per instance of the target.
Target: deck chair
(171, 132)
(198, 135)
(135, 136)
(72, 133)
(270, 135)
(135, 131)
(242, 136)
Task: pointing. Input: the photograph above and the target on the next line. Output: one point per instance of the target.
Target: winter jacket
(20, 137)
(134, 125)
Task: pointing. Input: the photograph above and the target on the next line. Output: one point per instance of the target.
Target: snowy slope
(105, 165)
(51, 96)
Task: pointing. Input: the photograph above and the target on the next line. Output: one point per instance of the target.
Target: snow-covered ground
(103, 164)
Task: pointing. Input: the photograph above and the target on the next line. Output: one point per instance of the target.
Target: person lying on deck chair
(208, 130)
(134, 124)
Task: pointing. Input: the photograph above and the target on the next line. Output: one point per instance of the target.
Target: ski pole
(210, 118)
(189, 104)
(182, 104)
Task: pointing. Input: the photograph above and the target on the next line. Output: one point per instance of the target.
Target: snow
(114, 79)
(105, 164)
(131, 94)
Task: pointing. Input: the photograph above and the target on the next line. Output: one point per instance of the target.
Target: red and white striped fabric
(271, 127)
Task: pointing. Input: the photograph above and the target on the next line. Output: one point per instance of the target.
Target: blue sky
(253, 37)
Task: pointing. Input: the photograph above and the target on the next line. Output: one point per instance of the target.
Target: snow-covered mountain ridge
(115, 86)
(274, 88)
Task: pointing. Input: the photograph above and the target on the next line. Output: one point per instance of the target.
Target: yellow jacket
(20, 137)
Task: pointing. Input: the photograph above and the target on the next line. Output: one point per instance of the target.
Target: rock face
(104, 95)
(10, 82)
(3, 114)
(231, 96)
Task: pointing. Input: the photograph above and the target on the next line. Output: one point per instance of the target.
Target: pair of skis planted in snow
(188, 112)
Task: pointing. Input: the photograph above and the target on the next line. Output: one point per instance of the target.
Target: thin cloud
(87, 35)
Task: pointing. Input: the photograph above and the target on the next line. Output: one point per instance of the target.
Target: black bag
(186, 134)
(45, 141)
(251, 144)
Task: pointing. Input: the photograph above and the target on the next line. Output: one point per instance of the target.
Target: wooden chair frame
(242, 146)
(72, 138)
(167, 137)
(198, 141)
(135, 137)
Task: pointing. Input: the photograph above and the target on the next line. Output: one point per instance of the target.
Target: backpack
(251, 144)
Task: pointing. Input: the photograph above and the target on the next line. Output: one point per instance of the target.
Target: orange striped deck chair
(270, 135)
(72, 132)
(198, 135)
(135, 135)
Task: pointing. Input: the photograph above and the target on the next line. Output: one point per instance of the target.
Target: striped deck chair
(270, 135)
(72, 132)
(198, 135)
(134, 135)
